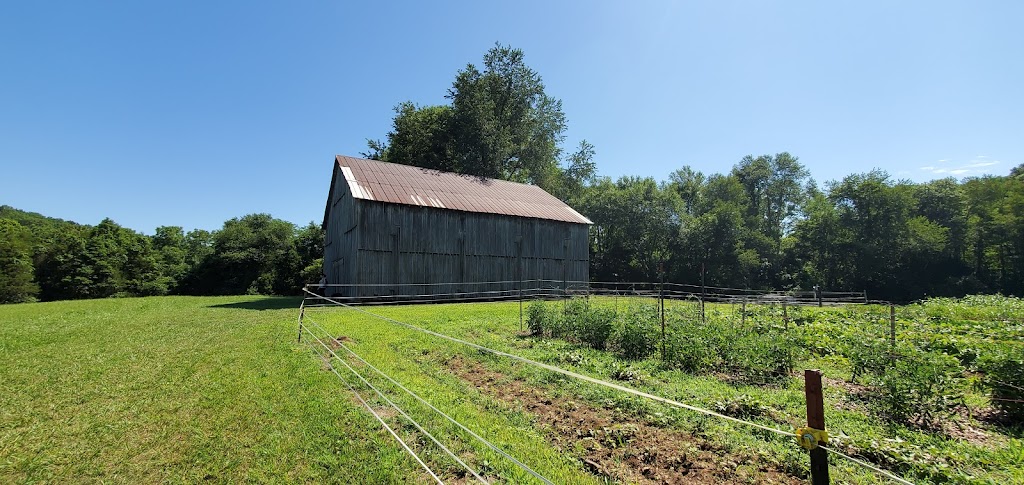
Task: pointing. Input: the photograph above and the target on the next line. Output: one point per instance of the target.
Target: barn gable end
(399, 230)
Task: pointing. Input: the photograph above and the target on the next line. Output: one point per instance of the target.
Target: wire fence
(777, 311)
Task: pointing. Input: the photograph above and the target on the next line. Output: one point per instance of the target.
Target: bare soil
(608, 446)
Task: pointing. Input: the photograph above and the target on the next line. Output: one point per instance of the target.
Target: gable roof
(404, 184)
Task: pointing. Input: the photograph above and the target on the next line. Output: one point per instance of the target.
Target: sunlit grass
(177, 389)
(190, 389)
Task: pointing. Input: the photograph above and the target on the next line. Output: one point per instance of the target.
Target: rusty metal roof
(405, 184)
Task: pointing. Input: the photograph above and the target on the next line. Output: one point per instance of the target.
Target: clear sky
(190, 113)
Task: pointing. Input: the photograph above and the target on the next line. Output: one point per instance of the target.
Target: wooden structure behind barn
(400, 230)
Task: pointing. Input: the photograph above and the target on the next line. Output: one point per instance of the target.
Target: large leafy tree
(254, 254)
(775, 190)
(16, 271)
(500, 124)
(635, 227)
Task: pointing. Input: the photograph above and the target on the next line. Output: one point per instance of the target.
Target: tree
(253, 254)
(421, 136)
(578, 174)
(16, 271)
(713, 240)
(817, 239)
(774, 186)
(169, 245)
(309, 245)
(500, 124)
(1017, 172)
(689, 184)
(877, 212)
(634, 230)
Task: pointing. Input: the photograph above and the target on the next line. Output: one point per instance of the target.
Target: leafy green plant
(742, 406)
(689, 352)
(541, 319)
(636, 334)
(922, 387)
(762, 356)
(595, 326)
(626, 373)
(868, 357)
(1004, 377)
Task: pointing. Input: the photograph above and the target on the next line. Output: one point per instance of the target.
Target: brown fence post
(816, 420)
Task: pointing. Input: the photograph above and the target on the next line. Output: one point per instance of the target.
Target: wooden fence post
(816, 420)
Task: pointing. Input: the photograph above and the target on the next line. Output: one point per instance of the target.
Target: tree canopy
(500, 123)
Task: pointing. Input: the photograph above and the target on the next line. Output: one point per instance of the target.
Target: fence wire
(637, 296)
(858, 320)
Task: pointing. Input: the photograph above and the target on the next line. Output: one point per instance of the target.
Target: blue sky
(190, 113)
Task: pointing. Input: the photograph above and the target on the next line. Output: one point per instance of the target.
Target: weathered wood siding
(340, 236)
(395, 249)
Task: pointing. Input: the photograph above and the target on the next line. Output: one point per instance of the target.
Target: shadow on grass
(266, 303)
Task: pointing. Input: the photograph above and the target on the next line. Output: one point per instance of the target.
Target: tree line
(766, 224)
(43, 258)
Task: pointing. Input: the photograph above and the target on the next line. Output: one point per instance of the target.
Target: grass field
(190, 389)
(177, 389)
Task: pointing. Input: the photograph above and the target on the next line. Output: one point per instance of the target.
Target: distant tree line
(42, 258)
(766, 224)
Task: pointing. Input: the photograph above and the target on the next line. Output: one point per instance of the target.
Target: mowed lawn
(178, 389)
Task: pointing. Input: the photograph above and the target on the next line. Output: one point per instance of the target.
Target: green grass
(188, 389)
(177, 389)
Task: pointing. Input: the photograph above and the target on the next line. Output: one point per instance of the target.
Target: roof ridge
(438, 171)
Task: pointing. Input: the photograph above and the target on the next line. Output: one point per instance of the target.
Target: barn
(393, 230)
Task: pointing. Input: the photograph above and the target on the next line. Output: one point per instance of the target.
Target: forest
(762, 224)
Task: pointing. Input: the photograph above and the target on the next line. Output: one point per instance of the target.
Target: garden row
(944, 350)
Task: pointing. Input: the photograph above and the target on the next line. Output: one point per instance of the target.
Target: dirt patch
(633, 452)
(336, 342)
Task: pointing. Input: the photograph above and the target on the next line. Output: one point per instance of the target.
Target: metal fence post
(743, 312)
(892, 326)
(661, 306)
(785, 316)
(703, 294)
(520, 305)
